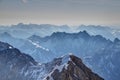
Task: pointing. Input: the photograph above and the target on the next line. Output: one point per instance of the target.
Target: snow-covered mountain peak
(71, 68)
(66, 58)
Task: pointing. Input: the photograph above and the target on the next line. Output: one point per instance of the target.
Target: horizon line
(70, 25)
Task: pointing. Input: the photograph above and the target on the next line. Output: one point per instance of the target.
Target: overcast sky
(71, 12)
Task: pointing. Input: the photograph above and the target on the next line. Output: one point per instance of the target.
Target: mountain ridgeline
(15, 65)
(97, 52)
(92, 49)
(80, 43)
(26, 30)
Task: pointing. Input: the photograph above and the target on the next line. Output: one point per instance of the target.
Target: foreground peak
(71, 67)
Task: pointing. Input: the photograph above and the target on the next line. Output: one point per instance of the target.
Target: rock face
(73, 70)
(13, 63)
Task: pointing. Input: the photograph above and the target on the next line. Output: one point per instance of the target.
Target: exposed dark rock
(76, 70)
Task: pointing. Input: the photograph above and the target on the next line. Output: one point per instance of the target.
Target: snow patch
(10, 47)
(38, 46)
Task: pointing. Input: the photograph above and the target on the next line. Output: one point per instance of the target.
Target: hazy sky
(71, 12)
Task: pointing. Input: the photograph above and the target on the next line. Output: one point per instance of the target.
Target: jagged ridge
(72, 69)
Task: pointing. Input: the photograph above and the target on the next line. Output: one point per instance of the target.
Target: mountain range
(94, 46)
(15, 65)
(92, 49)
(27, 30)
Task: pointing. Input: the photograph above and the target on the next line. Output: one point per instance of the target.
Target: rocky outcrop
(73, 70)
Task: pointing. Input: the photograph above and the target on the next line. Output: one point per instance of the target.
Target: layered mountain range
(15, 65)
(26, 30)
(99, 53)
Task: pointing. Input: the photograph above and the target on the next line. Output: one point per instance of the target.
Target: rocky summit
(71, 68)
